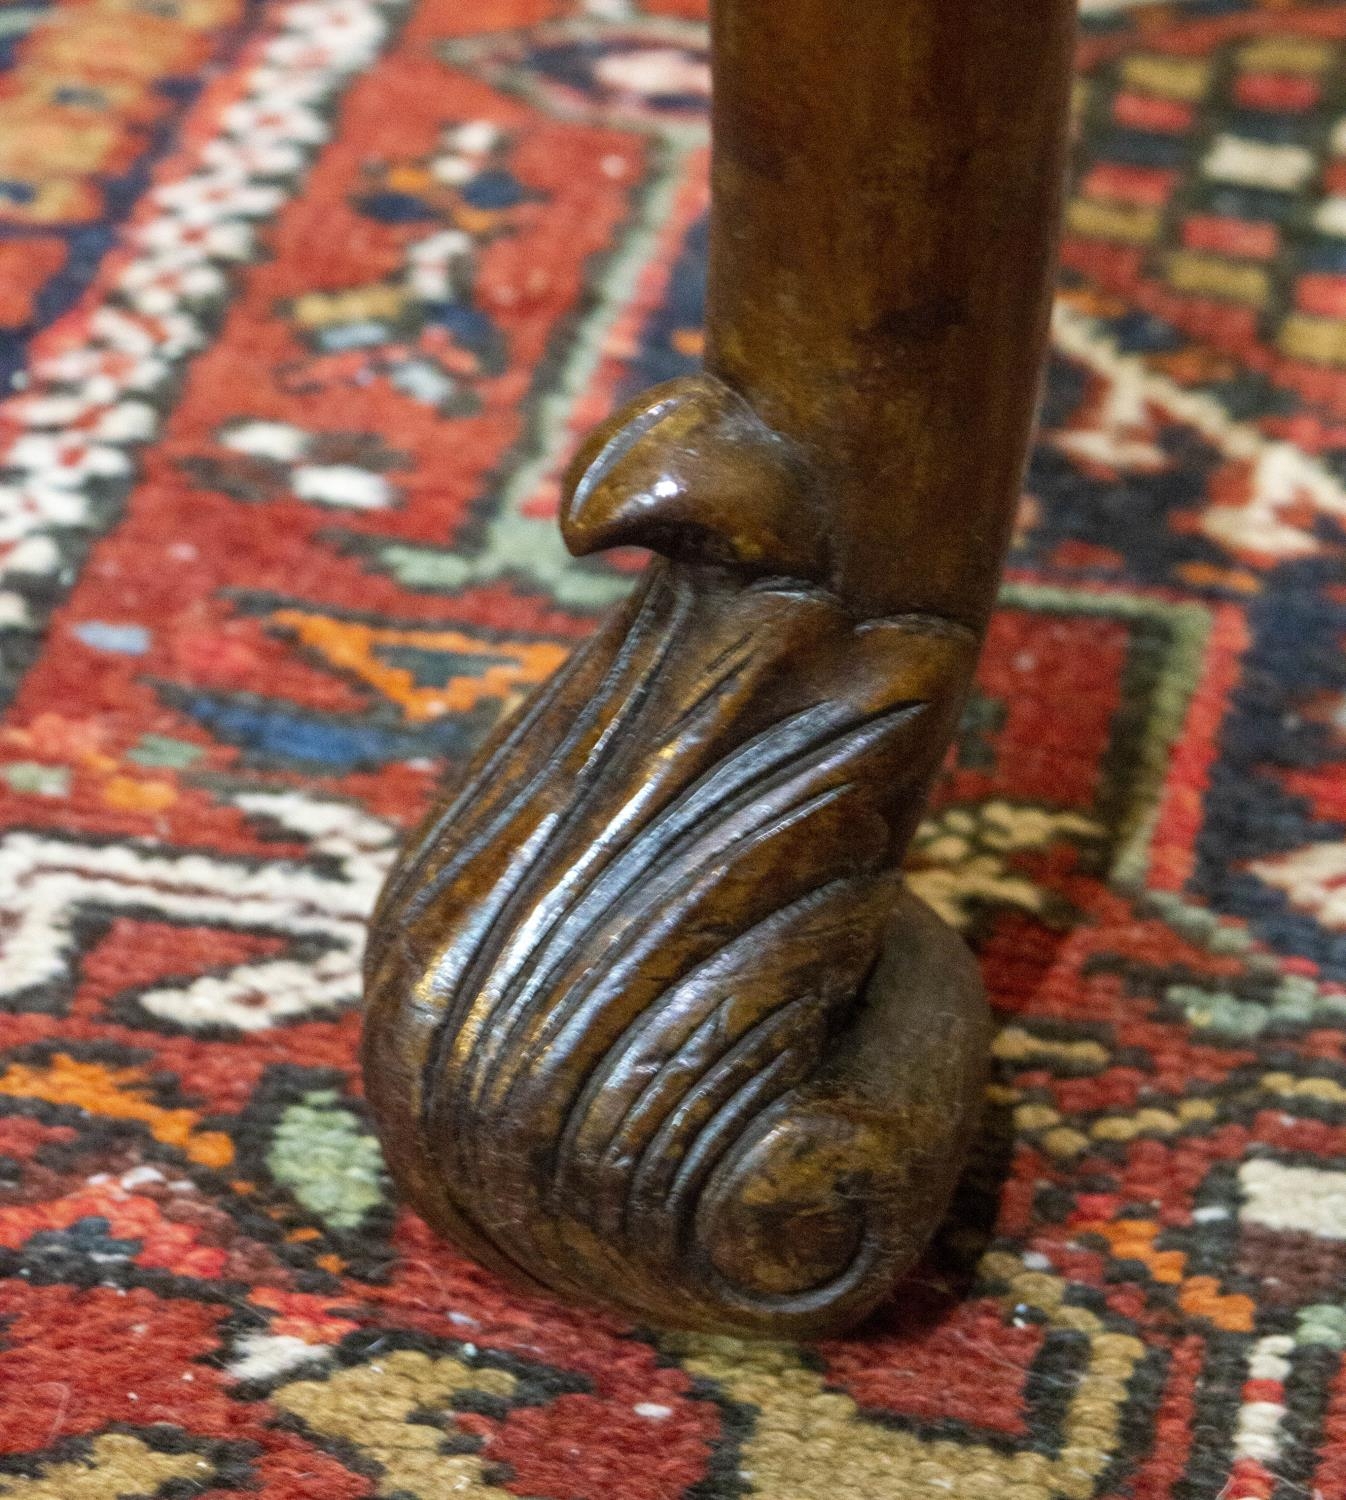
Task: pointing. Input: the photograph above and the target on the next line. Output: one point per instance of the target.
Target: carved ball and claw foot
(652, 1021)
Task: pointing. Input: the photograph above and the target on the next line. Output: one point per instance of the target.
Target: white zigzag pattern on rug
(46, 883)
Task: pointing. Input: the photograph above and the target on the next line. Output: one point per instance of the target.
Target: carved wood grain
(652, 1021)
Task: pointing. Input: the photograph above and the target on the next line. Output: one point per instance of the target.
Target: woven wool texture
(304, 305)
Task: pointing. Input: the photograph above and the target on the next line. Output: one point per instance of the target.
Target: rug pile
(303, 305)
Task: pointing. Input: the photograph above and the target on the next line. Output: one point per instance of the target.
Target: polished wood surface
(652, 1021)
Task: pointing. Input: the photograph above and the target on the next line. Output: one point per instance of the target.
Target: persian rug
(304, 305)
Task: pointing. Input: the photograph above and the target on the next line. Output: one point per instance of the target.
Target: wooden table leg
(652, 1020)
